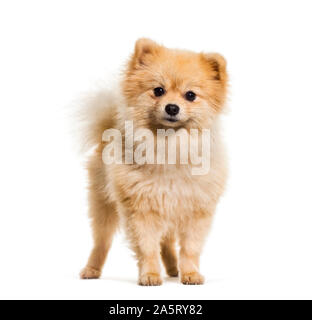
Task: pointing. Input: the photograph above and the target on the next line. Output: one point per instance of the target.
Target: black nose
(172, 109)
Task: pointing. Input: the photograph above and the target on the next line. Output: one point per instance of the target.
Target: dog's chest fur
(166, 191)
(169, 191)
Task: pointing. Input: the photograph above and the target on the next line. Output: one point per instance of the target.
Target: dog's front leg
(192, 237)
(144, 233)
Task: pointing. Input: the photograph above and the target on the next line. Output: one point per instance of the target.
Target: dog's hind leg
(169, 256)
(104, 224)
(104, 220)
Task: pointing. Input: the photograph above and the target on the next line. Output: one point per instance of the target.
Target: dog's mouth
(171, 119)
(166, 121)
(171, 122)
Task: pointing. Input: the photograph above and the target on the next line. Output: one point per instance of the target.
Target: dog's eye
(159, 91)
(190, 96)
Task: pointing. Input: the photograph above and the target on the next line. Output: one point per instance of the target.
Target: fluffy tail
(96, 113)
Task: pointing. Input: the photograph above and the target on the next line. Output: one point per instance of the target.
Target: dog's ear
(144, 51)
(216, 64)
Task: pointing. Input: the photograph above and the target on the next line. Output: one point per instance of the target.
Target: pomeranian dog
(158, 205)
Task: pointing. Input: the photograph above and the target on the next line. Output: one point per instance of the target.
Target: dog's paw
(192, 278)
(173, 272)
(150, 279)
(89, 273)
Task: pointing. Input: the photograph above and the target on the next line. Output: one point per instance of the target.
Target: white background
(53, 51)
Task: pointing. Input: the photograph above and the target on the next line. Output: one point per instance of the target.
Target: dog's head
(174, 88)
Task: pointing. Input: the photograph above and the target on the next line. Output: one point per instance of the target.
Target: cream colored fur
(157, 205)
